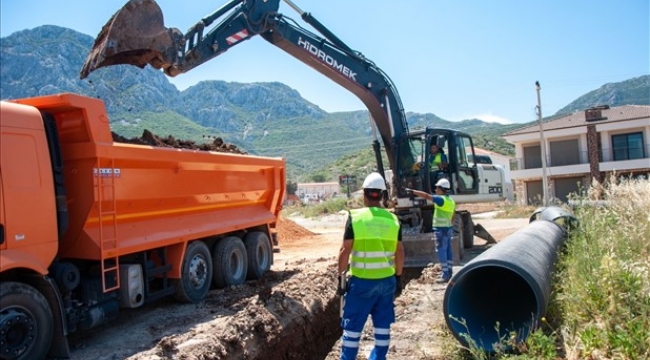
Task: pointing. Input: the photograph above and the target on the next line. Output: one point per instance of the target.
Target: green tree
(292, 187)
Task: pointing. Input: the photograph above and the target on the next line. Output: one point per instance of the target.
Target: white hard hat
(374, 181)
(443, 183)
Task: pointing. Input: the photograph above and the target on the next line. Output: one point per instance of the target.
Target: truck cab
(27, 189)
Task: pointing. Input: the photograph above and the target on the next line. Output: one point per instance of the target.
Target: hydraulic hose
(506, 289)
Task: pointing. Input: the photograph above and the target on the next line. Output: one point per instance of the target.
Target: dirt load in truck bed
(148, 138)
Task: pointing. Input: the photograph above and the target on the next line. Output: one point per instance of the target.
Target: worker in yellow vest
(443, 221)
(372, 250)
(437, 163)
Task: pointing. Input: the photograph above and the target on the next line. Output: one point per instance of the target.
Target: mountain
(269, 119)
(635, 91)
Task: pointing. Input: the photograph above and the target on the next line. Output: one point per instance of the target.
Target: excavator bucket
(135, 35)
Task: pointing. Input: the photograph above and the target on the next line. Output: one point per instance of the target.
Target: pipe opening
(488, 295)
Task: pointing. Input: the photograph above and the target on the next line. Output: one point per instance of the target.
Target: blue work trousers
(367, 297)
(444, 250)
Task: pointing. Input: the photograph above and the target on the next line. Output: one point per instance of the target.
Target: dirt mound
(148, 138)
(290, 231)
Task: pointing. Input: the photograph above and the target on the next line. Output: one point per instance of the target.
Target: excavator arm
(136, 35)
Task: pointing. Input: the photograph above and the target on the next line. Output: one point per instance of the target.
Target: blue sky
(455, 59)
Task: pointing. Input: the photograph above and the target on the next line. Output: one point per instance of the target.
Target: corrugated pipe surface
(507, 287)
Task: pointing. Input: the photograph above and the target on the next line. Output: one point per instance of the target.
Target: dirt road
(292, 313)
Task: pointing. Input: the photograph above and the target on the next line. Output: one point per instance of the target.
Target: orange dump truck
(88, 226)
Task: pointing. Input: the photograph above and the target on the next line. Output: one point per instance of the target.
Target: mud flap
(134, 35)
(59, 348)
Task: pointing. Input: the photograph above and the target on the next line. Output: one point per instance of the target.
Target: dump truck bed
(125, 198)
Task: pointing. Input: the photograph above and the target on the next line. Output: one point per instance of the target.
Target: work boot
(444, 278)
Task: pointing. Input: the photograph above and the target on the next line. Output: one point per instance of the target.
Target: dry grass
(604, 287)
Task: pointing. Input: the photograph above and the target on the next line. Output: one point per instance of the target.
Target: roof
(578, 118)
(479, 151)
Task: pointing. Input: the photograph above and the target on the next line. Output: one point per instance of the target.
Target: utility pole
(543, 145)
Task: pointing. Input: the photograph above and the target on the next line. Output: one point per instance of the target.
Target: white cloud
(492, 118)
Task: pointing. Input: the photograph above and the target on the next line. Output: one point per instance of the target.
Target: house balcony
(625, 159)
(612, 159)
(526, 168)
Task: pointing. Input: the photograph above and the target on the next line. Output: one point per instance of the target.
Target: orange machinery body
(121, 198)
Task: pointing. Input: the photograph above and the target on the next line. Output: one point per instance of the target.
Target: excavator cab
(416, 168)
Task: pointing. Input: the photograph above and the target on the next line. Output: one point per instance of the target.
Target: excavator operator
(437, 163)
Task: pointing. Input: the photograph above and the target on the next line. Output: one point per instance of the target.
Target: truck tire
(260, 257)
(196, 274)
(26, 322)
(230, 262)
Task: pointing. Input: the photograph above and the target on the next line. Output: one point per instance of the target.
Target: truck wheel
(196, 274)
(230, 262)
(26, 322)
(260, 257)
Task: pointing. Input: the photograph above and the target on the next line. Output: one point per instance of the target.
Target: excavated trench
(315, 336)
(307, 338)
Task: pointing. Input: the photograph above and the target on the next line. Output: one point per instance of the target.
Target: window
(464, 152)
(532, 157)
(628, 146)
(565, 152)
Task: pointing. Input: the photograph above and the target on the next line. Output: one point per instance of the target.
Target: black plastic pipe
(506, 289)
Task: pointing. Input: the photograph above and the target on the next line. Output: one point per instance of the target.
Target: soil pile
(148, 138)
(289, 231)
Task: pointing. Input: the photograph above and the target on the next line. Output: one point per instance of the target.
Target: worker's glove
(340, 288)
(417, 166)
(408, 191)
(398, 285)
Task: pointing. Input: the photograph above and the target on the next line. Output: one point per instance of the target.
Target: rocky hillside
(635, 91)
(269, 119)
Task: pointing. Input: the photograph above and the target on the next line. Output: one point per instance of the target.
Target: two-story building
(580, 147)
(315, 192)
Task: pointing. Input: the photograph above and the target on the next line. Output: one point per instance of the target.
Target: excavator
(136, 35)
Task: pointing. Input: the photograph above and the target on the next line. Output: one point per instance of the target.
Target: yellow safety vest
(375, 239)
(435, 161)
(442, 215)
